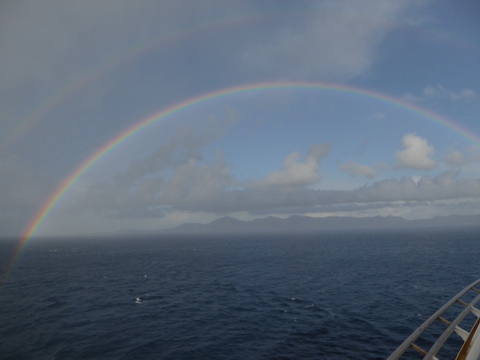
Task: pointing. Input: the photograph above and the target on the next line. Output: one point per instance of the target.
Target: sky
(254, 109)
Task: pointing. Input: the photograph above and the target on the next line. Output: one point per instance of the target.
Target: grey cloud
(256, 198)
(457, 159)
(194, 183)
(52, 40)
(359, 170)
(48, 39)
(185, 144)
(444, 186)
(174, 174)
(318, 151)
(330, 43)
(49, 45)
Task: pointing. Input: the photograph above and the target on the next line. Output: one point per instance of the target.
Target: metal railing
(452, 326)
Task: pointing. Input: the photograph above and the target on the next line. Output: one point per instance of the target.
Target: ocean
(350, 295)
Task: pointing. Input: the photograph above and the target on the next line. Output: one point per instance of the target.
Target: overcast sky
(75, 74)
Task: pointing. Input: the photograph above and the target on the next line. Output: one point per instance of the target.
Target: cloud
(176, 178)
(96, 54)
(165, 185)
(441, 92)
(428, 197)
(457, 159)
(443, 187)
(416, 153)
(185, 144)
(297, 173)
(162, 183)
(359, 170)
(331, 43)
(208, 188)
(194, 183)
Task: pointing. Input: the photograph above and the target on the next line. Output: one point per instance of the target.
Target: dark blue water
(337, 296)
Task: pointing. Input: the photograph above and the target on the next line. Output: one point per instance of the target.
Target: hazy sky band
(57, 195)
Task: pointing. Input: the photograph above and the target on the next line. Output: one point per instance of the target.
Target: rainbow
(80, 81)
(48, 206)
(83, 79)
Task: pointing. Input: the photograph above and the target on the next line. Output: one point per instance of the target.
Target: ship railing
(471, 347)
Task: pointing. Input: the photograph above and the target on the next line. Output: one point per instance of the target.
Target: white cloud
(441, 92)
(416, 153)
(359, 170)
(298, 173)
(295, 172)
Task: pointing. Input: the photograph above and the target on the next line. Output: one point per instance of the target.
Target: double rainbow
(49, 205)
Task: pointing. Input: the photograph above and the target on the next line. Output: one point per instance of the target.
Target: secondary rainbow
(47, 207)
(80, 81)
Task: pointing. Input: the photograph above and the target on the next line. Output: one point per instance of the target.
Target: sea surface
(351, 295)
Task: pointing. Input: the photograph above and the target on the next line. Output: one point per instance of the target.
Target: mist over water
(329, 296)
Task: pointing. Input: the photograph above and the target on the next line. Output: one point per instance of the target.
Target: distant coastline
(306, 224)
